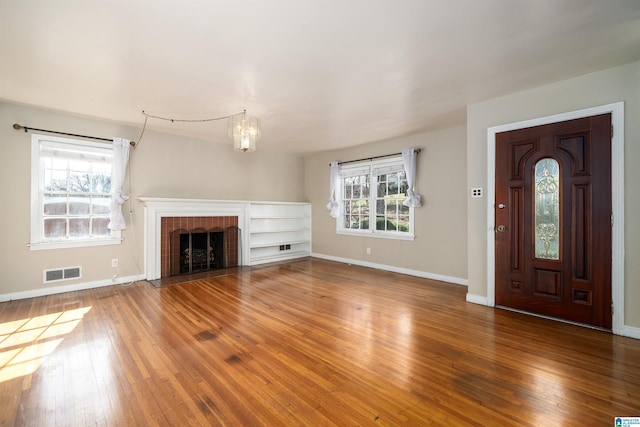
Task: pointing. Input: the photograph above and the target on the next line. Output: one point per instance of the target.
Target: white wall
(439, 249)
(605, 87)
(162, 165)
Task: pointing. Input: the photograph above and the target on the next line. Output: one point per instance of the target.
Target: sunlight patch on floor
(26, 343)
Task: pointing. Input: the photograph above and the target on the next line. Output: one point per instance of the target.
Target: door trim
(617, 199)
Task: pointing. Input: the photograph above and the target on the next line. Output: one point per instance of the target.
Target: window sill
(379, 235)
(74, 244)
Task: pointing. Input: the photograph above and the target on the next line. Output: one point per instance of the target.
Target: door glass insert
(547, 209)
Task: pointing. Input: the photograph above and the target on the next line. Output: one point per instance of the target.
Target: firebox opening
(201, 251)
(197, 250)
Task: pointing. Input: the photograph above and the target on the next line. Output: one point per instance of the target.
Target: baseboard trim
(32, 293)
(417, 273)
(477, 299)
(630, 331)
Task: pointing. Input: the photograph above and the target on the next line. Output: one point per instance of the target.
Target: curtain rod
(417, 150)
(26, 129)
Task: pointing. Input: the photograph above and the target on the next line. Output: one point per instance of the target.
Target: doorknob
(501, 228)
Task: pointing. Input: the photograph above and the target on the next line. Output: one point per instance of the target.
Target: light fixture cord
(168, 119)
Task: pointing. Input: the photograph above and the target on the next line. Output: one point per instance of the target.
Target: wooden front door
(553, 220)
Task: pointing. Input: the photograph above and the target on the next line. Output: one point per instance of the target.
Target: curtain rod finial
(18, 127)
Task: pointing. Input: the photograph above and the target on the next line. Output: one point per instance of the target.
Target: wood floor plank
(309, 342)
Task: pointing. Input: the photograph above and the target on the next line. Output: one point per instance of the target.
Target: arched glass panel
(547, 209)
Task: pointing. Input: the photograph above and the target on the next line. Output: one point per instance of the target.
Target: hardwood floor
(309, 342)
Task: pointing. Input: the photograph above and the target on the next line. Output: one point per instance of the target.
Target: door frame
(617, 199)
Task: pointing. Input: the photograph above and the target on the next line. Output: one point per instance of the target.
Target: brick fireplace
(165, 215)
(174, 229)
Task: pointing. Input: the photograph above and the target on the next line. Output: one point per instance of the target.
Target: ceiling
(320, 74)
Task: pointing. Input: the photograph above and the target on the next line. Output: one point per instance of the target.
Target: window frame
(37, 241)
(370, 167)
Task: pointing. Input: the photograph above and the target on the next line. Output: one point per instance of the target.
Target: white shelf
(273, 225)
(280, 257)
(277, 217)
(268, 245)
(284, 230)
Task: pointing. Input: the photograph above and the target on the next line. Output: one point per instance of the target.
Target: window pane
(403, 223)
(79, 182)
(403, 186)
(100, 227)
(363, 207)
(390, 204)
(55, 205)
(55, 228)
(100, 183)
(59, 163)
(101, 178)
(55, 180)
(80, 166)
(78, 227)
(365, 191)
(79, 206)
(100, 205)
(392, 187)
(347, 192)
(547, 209)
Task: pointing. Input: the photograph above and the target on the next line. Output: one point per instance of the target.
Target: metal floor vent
(60, 274)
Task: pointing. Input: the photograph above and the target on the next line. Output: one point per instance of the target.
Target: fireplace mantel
(157, 208)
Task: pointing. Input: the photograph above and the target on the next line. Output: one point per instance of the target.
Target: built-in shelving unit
(279, 231)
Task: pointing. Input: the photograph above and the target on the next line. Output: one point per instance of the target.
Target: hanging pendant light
(244, 131)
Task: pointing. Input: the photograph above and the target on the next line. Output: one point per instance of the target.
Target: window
(371, 198)
(70, 193)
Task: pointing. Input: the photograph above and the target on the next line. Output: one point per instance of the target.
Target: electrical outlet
(114, 262)
(476, 192)
(368, 251)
